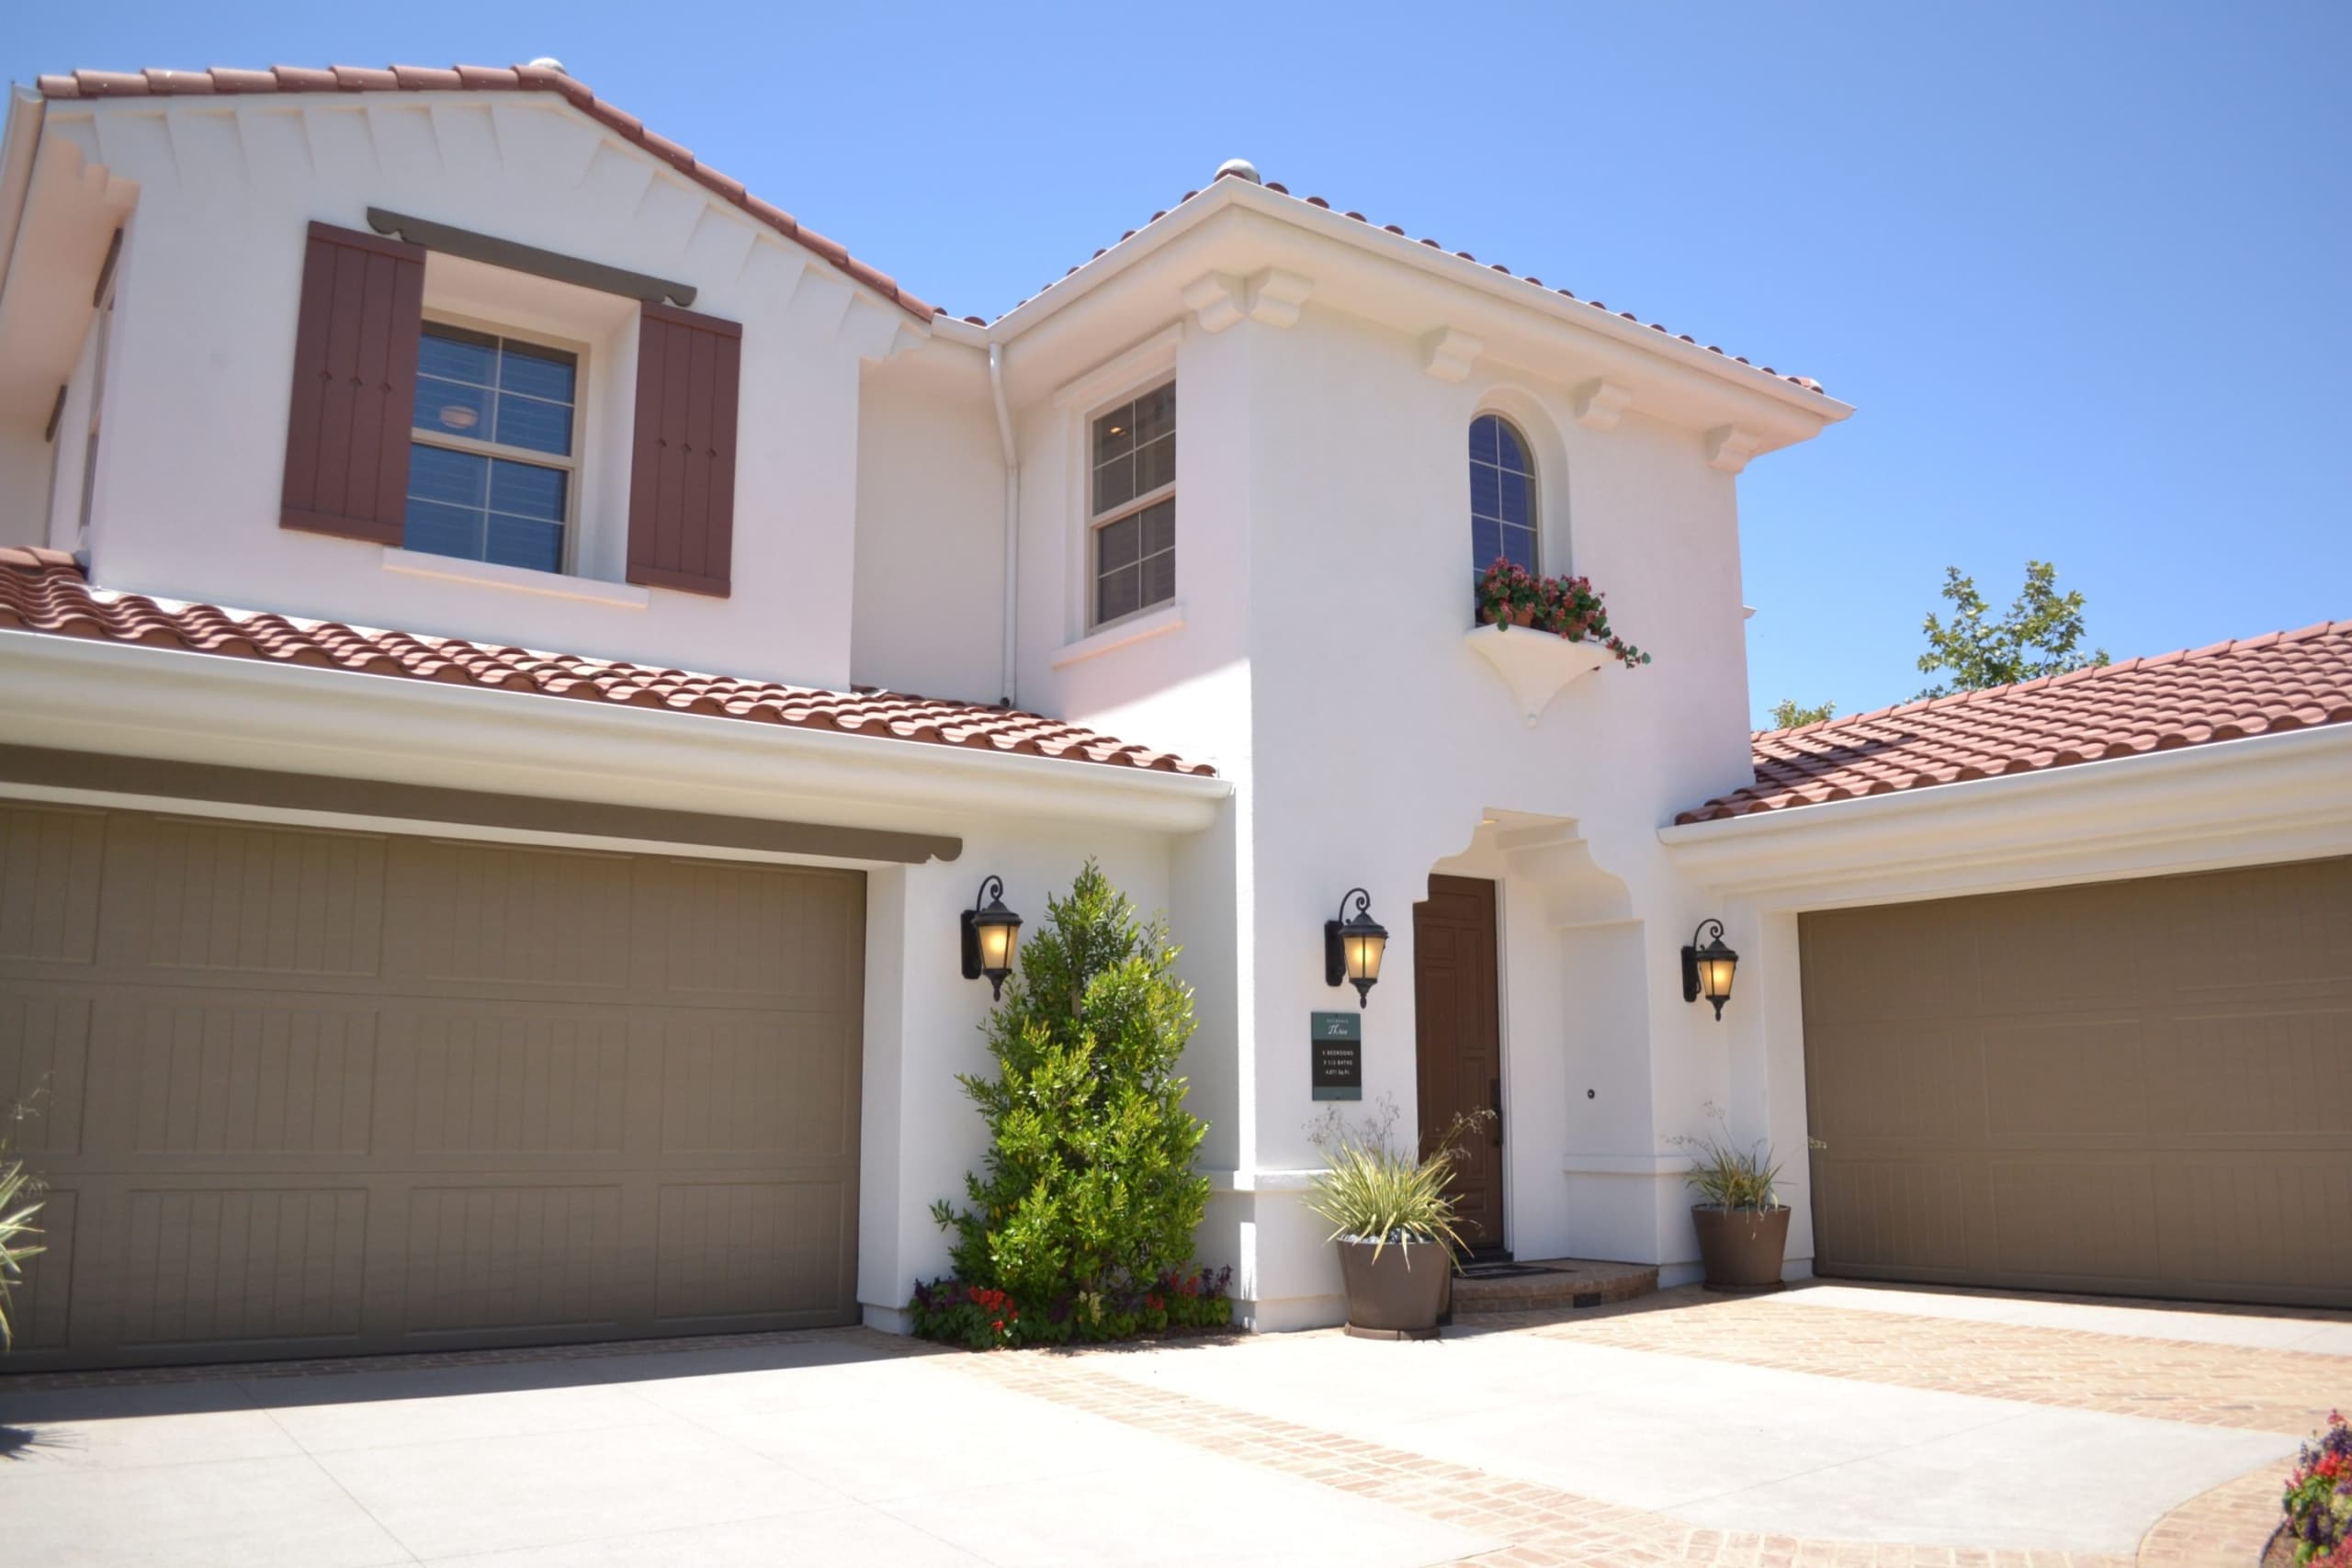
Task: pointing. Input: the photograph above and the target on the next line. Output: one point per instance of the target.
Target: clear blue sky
(2086, 270)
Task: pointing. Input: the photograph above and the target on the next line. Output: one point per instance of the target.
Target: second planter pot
(1742, 1248)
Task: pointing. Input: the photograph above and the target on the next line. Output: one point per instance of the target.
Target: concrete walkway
(1830, 1423)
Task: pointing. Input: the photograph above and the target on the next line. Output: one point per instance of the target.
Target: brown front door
(1458, 1042)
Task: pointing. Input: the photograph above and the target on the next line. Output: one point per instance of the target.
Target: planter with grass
(1742, 1225)
(1395, 1217)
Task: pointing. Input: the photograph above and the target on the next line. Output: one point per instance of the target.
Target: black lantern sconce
(1707, 971)
(991, 935)
(1352, 947)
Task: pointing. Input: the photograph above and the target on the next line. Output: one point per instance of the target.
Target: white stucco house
(473, 869)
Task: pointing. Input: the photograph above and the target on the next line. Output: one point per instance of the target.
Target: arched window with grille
(1502, 495)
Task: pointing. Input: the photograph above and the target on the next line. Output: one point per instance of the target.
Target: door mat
(1503, 1271)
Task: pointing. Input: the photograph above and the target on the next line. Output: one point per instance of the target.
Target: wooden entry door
(1458, 1042)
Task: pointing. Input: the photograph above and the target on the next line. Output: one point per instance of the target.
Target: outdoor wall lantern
(1707, 971)
(1352, 947)
(992, 933)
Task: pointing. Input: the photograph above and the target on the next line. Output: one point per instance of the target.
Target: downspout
(1008, 678)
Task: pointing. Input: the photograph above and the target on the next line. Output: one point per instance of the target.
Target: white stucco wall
(193, 460)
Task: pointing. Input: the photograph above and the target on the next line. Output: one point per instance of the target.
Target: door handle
(1495, 1104)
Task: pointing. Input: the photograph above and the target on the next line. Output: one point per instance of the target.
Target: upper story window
(493, 459)
(1132, 505)
(1502, 495)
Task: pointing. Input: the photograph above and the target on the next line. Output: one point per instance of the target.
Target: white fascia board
(167, 703)
(2250, 801)
(18, 144)
(1815, 408)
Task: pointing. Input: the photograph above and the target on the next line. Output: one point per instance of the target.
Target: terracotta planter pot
(1398, 1296)
(1517, 616)
(1741, 1248)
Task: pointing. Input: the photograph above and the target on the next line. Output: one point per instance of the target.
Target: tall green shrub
(1089, 1186)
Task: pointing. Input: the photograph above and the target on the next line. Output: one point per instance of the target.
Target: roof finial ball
(550, 62)
(1240, 168)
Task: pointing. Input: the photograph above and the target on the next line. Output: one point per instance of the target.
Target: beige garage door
(311, 1093)
(2142, 1088)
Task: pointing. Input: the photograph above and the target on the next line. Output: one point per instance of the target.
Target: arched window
(1502, 495)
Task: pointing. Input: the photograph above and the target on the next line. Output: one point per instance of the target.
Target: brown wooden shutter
(354, 386)
(682, 463)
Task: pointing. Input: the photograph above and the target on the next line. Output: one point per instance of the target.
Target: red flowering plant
(2319, 1499)
(1511, 595)
(954, 1312)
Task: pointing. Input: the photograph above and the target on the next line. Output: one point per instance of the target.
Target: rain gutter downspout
(1008, 678)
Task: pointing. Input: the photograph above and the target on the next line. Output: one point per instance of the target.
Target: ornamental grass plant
(1373, 1189)
(20, 1201)
(1727, 1176)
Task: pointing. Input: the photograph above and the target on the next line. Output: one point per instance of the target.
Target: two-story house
(473, 869)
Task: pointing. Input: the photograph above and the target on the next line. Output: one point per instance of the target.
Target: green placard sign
(1336, 1056)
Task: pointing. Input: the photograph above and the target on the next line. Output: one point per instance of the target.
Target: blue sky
(2083, 268)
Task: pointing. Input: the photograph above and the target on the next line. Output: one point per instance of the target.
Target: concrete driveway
(1831, 1423)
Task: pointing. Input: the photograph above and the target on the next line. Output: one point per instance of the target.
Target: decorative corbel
(1216, 300)
(1275, 296)
(1729, 446)
(1600, 402)
(1449, 352)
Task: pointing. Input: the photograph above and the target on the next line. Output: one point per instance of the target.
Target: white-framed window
(1502, 496)
(494, 450)
(1131, 505)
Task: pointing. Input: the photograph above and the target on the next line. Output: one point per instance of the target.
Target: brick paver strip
(2288, 1391)
(1546, 1527)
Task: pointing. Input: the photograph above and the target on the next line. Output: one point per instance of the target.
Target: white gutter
(2233, 801)
(18, 146)
(130, 700)
(1008, 682)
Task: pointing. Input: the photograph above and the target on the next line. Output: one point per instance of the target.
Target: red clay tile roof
(43, 591)
(2262, 685)
(221, 81)
(1807, 382)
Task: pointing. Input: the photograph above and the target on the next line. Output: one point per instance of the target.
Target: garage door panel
(2081, 1079)
(2174, 1119)
(2080, 1220)
(224, 1265)
(187, 895)
(774, 1083)
(44, 1067)
(2262, 1072)
(1900, 1215)
(738, 1248)
(511, 1256)
(1867, 966)
(1901, 1079)
(503, 916)
(2268, 1228)
(310, 1093)
(510, 1079)
(51, 860)
(222, 1074)
(719, 930)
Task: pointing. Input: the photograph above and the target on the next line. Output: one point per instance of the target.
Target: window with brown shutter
(682, 469)
(354, 386)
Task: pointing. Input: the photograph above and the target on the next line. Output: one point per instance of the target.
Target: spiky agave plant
(20, 1200)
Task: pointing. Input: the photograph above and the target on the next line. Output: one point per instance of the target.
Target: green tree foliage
(2041, 635)
(1089, 1186)
(1790, 714)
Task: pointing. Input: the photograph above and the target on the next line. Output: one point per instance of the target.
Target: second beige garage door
(2142, 1088)
(309, 1093)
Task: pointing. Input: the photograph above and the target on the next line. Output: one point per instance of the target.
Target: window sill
(551, 585)
(1120, 634)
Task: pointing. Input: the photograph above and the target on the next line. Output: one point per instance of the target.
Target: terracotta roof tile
(1807, 382)
(2260, 685)
(44, 590)
(479, 79)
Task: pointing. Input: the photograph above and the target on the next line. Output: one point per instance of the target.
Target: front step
(1552, 1282)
